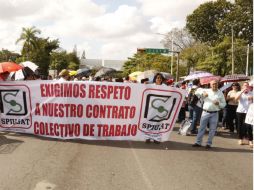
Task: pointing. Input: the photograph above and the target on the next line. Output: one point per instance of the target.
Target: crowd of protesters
(206, 105)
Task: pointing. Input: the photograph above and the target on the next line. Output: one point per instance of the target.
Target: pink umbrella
(197, 75)
(207, 80)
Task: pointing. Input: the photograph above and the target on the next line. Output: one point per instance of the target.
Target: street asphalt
(30, 162)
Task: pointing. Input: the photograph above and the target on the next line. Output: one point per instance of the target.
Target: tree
(181, 39)
(202, 23)
(29, 38)
(73, 60)
(6, 55)
(240, 19)
(58, 60)
(195, 54)
(144, 61)
(41, 55)
(220, 63)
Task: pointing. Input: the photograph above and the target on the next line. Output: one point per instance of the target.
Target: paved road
(34, 163)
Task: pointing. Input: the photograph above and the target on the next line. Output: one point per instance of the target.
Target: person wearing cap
(231, 107)
(64, 75)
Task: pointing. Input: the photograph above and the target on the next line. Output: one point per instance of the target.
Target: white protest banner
(89, 110)
(249, 119)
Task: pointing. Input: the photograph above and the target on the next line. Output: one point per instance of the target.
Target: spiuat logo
(13, 102)
(159, 107)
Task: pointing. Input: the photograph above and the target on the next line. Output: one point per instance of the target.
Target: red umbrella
(235, 78)
(9, 67)
(207, 80)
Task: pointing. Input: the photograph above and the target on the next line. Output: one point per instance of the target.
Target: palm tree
(28, 36)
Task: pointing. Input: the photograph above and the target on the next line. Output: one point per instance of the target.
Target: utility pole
(247, 61)
(232, 36)
(177, 67)
(172, 55)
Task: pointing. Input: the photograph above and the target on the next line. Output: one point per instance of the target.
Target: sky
(104, 29)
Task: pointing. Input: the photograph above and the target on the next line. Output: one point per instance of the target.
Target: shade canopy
(234, 78)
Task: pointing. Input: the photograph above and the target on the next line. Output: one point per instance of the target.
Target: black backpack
(192, 98)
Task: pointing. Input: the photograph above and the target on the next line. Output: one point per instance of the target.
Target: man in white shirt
(214, 101)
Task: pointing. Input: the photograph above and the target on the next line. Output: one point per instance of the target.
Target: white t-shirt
(244, 103)
(232, 94)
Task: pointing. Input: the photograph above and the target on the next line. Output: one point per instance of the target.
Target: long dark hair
(158, 74)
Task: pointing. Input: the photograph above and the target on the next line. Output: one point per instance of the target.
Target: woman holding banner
(157, 80)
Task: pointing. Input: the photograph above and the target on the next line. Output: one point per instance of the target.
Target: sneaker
(196, 145)
(207, 147)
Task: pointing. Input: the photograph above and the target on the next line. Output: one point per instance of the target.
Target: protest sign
(250, 115)
(89, 110)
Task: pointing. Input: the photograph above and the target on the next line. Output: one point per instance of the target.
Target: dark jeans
(197, 111)
(225, 116)
(231, 119)
(190, 112)
(181, 115)
(245, 130)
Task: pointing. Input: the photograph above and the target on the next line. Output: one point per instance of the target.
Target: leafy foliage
(220, 61)
(29, 38)
(6, 55)
(143, 61)
(240, 19)
(42, 51)
(215, 23)
(194, 54)
(202, 23)
(181, 39)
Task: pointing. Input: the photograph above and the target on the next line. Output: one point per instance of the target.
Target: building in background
(93, 63)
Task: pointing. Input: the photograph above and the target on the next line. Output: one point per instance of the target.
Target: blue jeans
(195, 118)
(190, 112)
(212, 118)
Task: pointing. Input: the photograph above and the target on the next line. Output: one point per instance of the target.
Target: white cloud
(116, 34)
